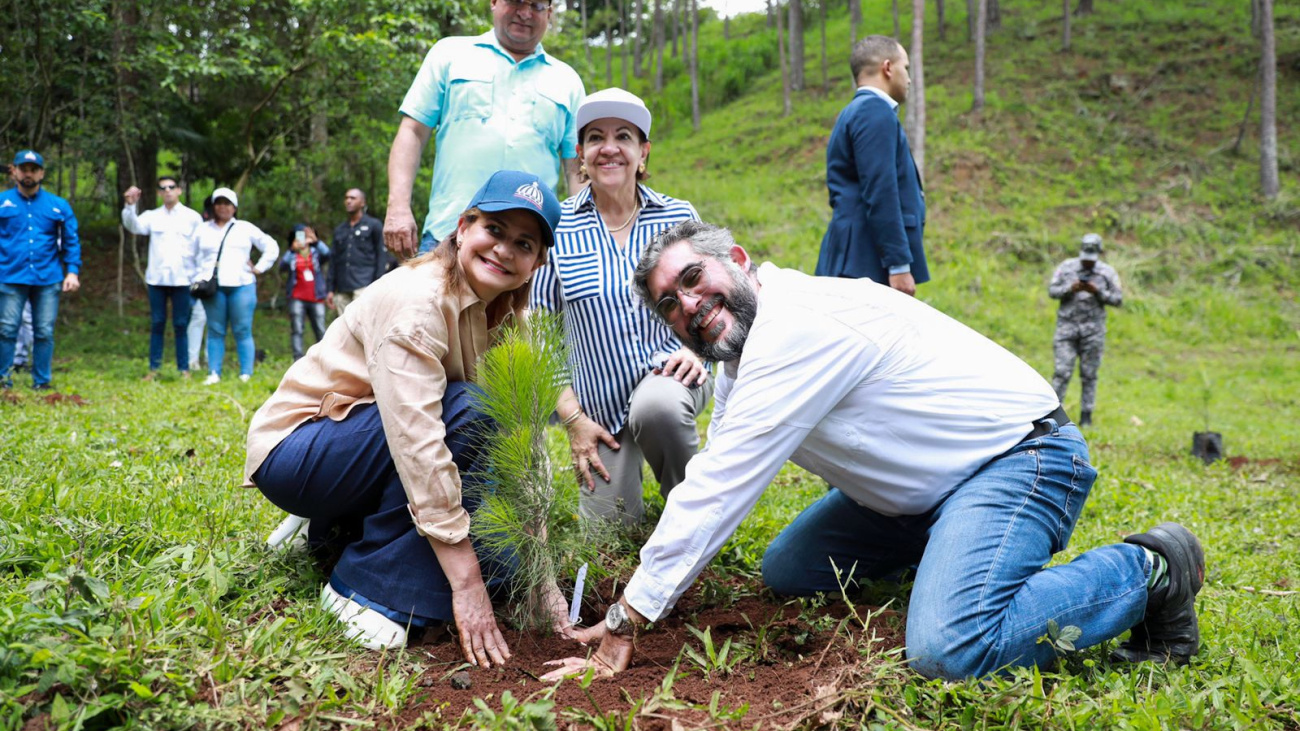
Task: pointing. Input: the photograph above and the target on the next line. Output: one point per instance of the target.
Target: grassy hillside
(134, 592)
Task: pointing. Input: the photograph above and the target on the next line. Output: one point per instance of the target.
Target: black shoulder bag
(207, 288)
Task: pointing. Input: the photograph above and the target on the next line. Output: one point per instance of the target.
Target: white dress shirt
(243, 238)
(173, 246)
(886, 398)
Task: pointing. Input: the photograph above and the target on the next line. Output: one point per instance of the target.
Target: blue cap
(509, 190)
(29, 156)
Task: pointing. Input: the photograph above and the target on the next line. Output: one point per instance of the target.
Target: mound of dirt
(785, 666)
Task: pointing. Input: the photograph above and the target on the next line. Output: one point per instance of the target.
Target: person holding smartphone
(304, 264)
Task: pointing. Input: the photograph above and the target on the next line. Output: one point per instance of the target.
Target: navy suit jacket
(877, 204)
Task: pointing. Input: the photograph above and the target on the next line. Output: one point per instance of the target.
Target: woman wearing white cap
(634, 391)
(232, 242)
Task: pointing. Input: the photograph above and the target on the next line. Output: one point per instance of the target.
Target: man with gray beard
(946, 452)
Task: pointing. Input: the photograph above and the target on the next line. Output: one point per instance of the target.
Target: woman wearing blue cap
(634, 392)
(371, 433)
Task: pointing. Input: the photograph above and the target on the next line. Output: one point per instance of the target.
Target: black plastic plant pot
(1208, 445)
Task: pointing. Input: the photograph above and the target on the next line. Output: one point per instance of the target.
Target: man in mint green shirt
(498, 102)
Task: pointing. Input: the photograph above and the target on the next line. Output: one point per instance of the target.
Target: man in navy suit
(877, 205)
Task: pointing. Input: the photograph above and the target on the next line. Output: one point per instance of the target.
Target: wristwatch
(616, 620)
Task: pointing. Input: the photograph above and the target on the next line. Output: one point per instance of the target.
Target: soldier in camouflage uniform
(1085, 287)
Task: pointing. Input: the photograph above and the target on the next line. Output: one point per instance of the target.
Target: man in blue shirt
(40, 257)
(498, 102)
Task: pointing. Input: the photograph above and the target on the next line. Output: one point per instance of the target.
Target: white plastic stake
(575, 604)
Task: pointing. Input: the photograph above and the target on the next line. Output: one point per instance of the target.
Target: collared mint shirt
(32, 250)
(491, 113)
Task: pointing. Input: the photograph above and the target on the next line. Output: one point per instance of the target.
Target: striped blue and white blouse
(588, 278)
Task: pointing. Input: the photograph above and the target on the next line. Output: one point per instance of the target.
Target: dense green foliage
(134, 590)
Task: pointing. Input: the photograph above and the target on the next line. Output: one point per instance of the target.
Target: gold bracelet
(572, 417)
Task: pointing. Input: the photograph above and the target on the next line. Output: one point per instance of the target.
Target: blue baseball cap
(509, 190)
(29, 156)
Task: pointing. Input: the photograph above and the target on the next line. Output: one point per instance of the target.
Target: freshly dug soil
(790, 667)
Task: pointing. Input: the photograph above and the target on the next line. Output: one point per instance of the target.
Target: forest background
(132, 586)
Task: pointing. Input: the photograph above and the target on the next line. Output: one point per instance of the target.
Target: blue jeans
(181, 305)
(231, 306)
(45, 309)
(341, 475)
(981, 598)
(299, 311)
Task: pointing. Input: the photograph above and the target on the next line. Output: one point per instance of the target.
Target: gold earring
(582, 169)
(641, 168)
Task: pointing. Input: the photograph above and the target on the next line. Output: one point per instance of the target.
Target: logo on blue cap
(29, 156)
(531, 193)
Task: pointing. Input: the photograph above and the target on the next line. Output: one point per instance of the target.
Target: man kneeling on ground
(945, 452)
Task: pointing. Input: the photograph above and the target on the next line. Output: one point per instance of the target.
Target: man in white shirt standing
(946, 452)
(173, 253)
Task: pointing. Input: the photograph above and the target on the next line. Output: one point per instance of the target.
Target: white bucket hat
(616, 103)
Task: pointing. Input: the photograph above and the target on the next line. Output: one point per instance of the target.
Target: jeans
(194, 333)
(44, 299)
(341, 475)
(181, 306)
(981, 598)
(299, 311)
(23, 349)
(231, 306)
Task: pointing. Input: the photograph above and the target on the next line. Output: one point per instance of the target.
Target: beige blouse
(397, 346)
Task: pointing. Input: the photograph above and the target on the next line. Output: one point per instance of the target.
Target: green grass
(134, 591)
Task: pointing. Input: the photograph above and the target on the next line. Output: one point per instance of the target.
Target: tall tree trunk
(796, 45)
(897, 30)
(586, 39)
(695, 65)
(609, 48)
(1085, 8)
(855, 20)
(971, 12)
(622, 36)
(638, 8)
(1254, 18)
(785, 66)
(981, 17)
(826, 74)
(1268, 102)
(1065, 25)
(771, 15)
(659, 45)
(676, 24)
(943, 23)
(993, 16)
(916, 95)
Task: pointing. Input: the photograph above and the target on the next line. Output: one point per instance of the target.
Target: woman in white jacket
(236, 298)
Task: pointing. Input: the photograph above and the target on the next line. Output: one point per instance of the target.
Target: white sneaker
(291, 534)
(370, 628)
(211, 379)
(243, 377)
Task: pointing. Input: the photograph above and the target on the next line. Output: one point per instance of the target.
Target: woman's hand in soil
(559, 611)
(613, 656)
(480, 639)
(585, 436)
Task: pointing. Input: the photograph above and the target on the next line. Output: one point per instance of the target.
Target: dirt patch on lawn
(786, 665)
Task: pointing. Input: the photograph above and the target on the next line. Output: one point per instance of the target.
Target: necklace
(635, 210)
